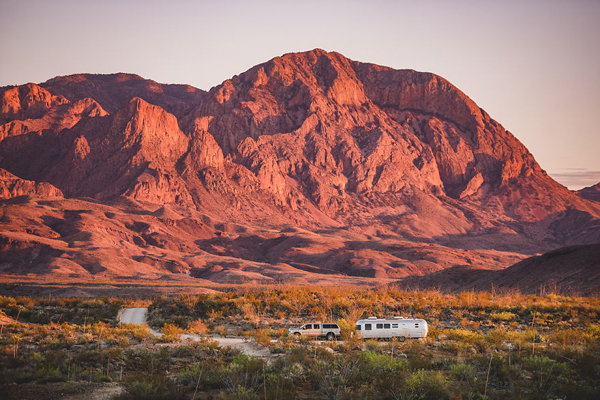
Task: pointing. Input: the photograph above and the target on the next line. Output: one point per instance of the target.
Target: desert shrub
(48, 375)
(463, 372)
(424, 384)
(91, 356)
(346, 328)
(214, 314)
(261, 336)
(377, 362)
(372, 345)
(244, 374)
(497, 336)
(281, 334)
(153, 387)
(545, 374)
(567, 337)
(300, 355)
(139, 332)
(336, 377)
(191, 375)
(463, 335)
(502, 316)
(221, 330)
(197, 326)
(418, 357)
(591, 336)
(171, 332)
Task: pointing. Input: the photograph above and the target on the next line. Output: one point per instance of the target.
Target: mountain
(308, 167)
(572, 269)
(591, 192)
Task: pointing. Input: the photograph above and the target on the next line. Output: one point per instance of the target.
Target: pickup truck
(317, 330)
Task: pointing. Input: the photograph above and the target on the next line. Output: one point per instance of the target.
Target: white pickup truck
(317, 330)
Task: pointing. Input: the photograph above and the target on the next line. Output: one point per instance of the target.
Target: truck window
(358, 327)
(379, 326)
(386, 326)
(316, 326)
(367, 327)
(307, 326)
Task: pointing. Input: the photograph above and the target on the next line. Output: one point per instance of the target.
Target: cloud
(576, 178)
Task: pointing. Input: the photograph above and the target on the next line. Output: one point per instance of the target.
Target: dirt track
(134, 316)
(138, 316)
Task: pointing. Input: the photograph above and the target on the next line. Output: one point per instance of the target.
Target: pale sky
(534, 66)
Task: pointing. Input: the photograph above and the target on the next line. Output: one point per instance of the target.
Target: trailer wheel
(402, 338)
(330, 336)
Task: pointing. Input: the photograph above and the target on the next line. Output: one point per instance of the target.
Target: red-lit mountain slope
(311, 164)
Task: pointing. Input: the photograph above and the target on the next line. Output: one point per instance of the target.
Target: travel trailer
(396, 327)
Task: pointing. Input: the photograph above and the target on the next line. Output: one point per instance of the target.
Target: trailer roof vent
(372, 318)
(398, 318)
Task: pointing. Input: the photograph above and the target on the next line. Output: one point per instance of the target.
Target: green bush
(426, 385)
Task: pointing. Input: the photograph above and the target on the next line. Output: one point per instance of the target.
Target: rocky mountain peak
(27, 101)
(114, 91)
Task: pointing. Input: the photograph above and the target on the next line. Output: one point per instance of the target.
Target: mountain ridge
(306, 141)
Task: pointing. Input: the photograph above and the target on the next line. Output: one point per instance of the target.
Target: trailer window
(416, 325)
(367, 327)
(394, 325)
(386, 326)
(358, 327)
(379, 326)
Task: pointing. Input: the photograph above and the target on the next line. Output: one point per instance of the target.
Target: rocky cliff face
(311, 140)
(27, 102)
(316, 128)
(13, 186)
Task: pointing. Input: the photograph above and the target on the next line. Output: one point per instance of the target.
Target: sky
(533, 65)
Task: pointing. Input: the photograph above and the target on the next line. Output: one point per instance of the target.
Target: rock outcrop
(13, 186)
(28, 101)
(114, 91)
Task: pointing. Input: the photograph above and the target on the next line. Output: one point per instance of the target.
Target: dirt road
(138, 316)
(134, 316)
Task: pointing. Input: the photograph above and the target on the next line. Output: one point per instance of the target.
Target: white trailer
(396, 327)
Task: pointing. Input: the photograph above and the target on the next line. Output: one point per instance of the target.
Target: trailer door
(404, 330)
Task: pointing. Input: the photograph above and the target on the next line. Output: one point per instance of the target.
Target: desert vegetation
(480, 345)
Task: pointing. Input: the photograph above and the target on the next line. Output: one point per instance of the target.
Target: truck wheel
(297, 335)
(330, 336)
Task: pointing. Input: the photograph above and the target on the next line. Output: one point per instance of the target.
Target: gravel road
(134, 316)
